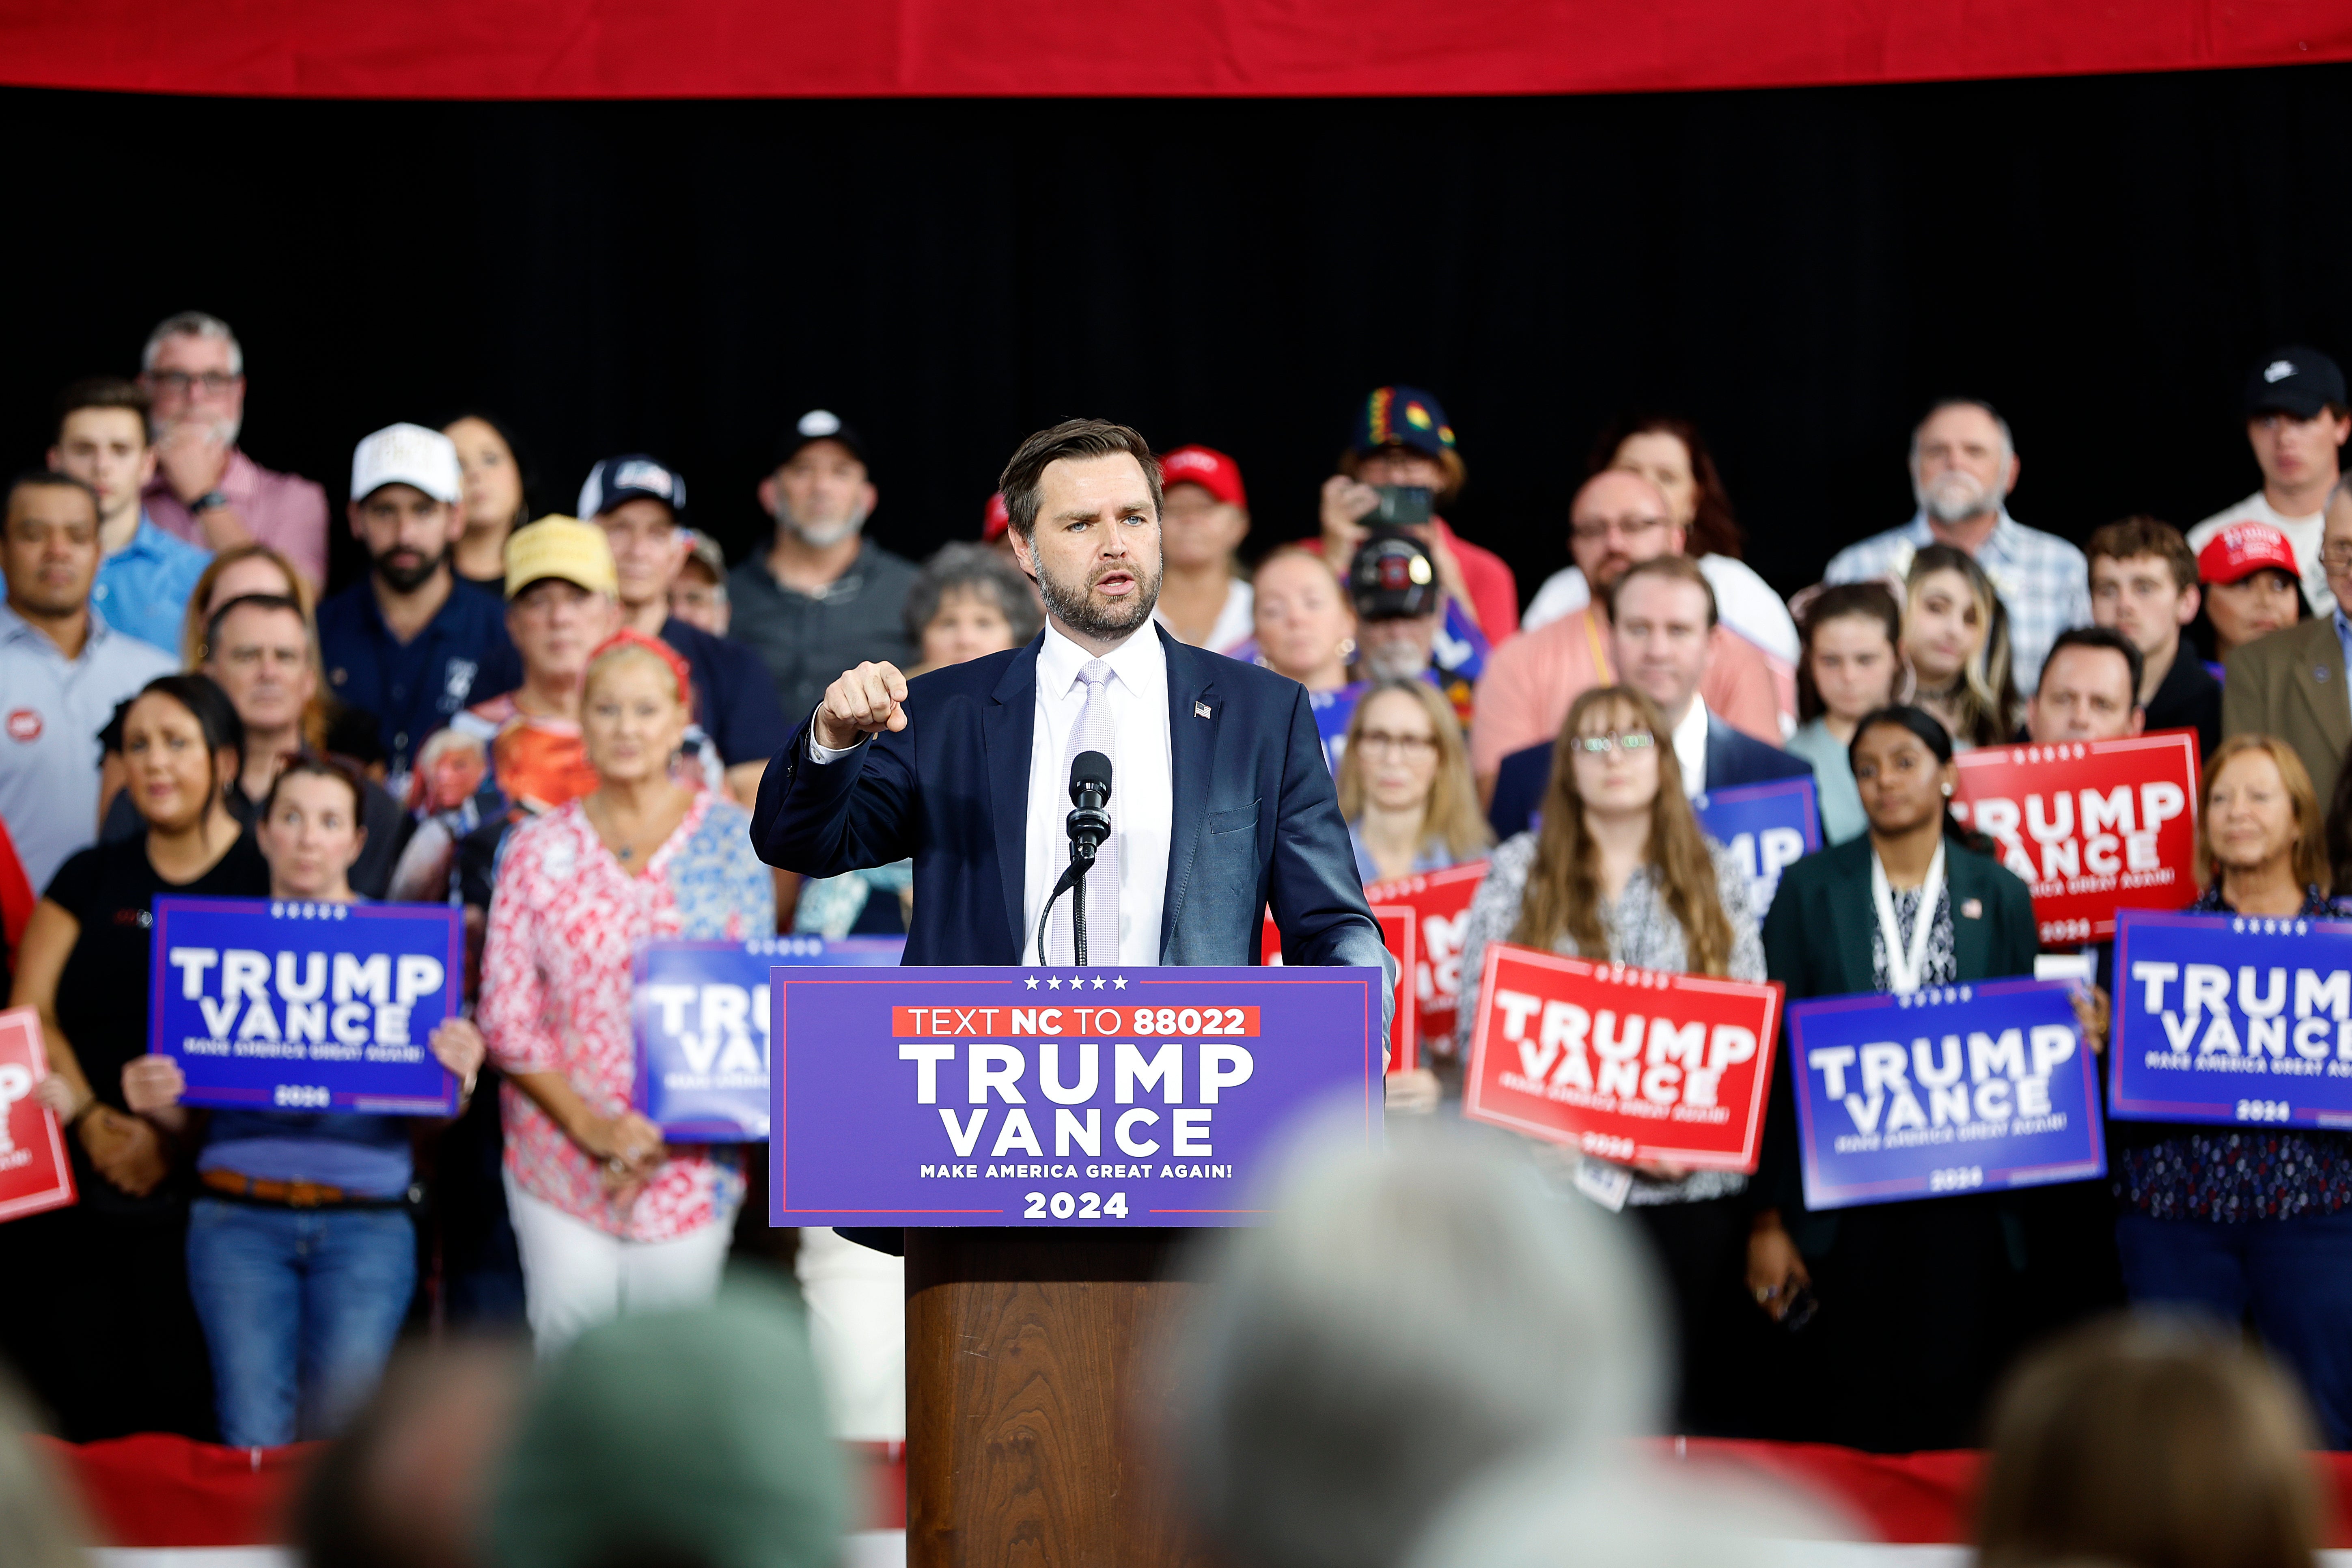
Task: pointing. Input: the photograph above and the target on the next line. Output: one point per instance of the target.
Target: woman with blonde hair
(1956, 638)
(2254, 1222)
(609, 1218)
(1404, 785)
(1305, 629)
(1620, 870)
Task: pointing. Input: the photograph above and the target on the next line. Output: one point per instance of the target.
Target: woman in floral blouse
(1620, 870)
(2256, 1222)
(610, 1219)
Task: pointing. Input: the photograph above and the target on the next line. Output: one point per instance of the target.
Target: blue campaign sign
(1946, 1090)
(2227, 1018)
(282, 1005)
(1769, 826)
(701, 1015)
(1021, 1096)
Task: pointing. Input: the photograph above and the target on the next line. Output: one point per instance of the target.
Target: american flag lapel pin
(1972, 908)
(1200, 710)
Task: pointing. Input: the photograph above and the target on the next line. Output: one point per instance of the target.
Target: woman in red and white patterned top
(609, 1219)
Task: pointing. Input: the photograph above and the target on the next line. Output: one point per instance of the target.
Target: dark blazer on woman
(1916, 1297)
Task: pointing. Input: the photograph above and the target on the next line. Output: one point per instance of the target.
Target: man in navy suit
(1662, 614)
(1221, 805)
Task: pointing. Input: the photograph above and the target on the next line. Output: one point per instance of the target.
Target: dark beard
(407, 579)
(1077, 611)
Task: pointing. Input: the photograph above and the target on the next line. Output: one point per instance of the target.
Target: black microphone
(1089, 822)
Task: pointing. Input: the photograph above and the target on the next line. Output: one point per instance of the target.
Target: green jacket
(1817, 943)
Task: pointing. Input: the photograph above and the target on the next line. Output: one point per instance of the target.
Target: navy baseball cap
(821, 425)
(1402, 415)
(1392, 578)
(634, 477)
(2297, 381)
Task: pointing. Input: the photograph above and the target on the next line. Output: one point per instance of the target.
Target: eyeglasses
(1631, 527)
(1614, 740)
(1404, 746)
(2336, 557)
(179, 381)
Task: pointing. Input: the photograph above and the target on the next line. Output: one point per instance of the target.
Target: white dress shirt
(1690, 749)
(1143, 787)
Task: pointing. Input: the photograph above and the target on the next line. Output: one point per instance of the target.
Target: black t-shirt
(111, 889)
(735, 702)
(388, 830)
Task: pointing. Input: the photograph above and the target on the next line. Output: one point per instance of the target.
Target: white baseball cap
(407, 454)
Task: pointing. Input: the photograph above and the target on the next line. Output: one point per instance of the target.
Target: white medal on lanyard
(1905, 968)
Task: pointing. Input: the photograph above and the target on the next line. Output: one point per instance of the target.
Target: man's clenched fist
(864, 702)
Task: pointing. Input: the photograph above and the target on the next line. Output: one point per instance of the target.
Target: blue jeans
(2294, 1275)
(299, 1307)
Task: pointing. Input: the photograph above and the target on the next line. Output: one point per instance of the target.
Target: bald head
(1619, 517)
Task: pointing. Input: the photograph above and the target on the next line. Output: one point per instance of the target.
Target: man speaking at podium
(1220, 804)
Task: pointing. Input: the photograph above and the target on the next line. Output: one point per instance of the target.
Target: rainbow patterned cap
(1402, 415)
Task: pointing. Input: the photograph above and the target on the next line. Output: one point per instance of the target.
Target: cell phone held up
(1402, 506)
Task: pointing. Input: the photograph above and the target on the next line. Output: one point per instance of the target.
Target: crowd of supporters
(557, 722)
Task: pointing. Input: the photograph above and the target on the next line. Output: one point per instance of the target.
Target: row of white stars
(1078, 981)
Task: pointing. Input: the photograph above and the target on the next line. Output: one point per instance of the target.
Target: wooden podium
(1035, 1359)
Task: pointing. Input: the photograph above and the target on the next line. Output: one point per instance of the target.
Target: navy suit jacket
(1256, 817)
(1732, 759)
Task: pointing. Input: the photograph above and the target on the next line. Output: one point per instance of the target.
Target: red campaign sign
(2091, 826)
(1624, 1064)
(1439, 901)
(34, 1173)
(1398, 936)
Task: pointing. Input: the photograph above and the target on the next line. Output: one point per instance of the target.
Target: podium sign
(699, 1014)
(34, 1173)
(2232, 1019)
(1952, 1090)
(2090, 825)
(282, 1004)
(1055, 1096)
(1624, 1064)
(1399, 935)
(1769, 826)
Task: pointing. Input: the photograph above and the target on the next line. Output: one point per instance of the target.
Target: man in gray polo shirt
(62, 670)
(821, 596)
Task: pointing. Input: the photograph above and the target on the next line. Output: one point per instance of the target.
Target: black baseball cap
(820, 425)
(2297, 381)
(1392, 578)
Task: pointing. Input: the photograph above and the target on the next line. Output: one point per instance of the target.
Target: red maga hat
(2242, 549)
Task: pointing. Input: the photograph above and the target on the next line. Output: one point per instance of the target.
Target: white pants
(857, 1327)
(575, 1276)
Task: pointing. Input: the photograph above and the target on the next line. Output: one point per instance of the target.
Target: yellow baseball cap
(558, 546)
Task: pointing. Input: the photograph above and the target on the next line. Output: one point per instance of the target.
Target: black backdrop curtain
(1797, 269)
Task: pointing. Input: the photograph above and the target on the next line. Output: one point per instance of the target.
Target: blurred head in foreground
(2149, 1443)
(39, 1527)
(685, 1439)
(1405, 1319)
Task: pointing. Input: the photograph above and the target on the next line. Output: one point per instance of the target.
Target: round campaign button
(24, 724)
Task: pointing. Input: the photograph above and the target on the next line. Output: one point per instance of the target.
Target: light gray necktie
(1092, 732)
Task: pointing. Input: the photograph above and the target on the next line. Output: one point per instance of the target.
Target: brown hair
(104, 391)
(1071, 438)
(2136, 536)
(2311, 868)
(195, 627)
(1712, 530)
(1988, 694)
(2153, 1443)
(1451, 812)
(1674, 569)
(1563, 895)
(312, 765)
(1869, 601)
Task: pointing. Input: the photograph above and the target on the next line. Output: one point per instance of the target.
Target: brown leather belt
(293, 1194)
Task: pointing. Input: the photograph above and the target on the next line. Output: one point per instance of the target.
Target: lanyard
(1905, 968)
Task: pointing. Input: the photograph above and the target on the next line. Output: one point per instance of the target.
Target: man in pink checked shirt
(206, 490)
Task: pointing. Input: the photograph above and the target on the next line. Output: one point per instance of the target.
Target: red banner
(2090, 825)
(1440, 902)
(1397, 935)
(1625, 1064)
(34, 1173)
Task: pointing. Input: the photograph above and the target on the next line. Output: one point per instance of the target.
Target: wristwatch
(207, 501)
